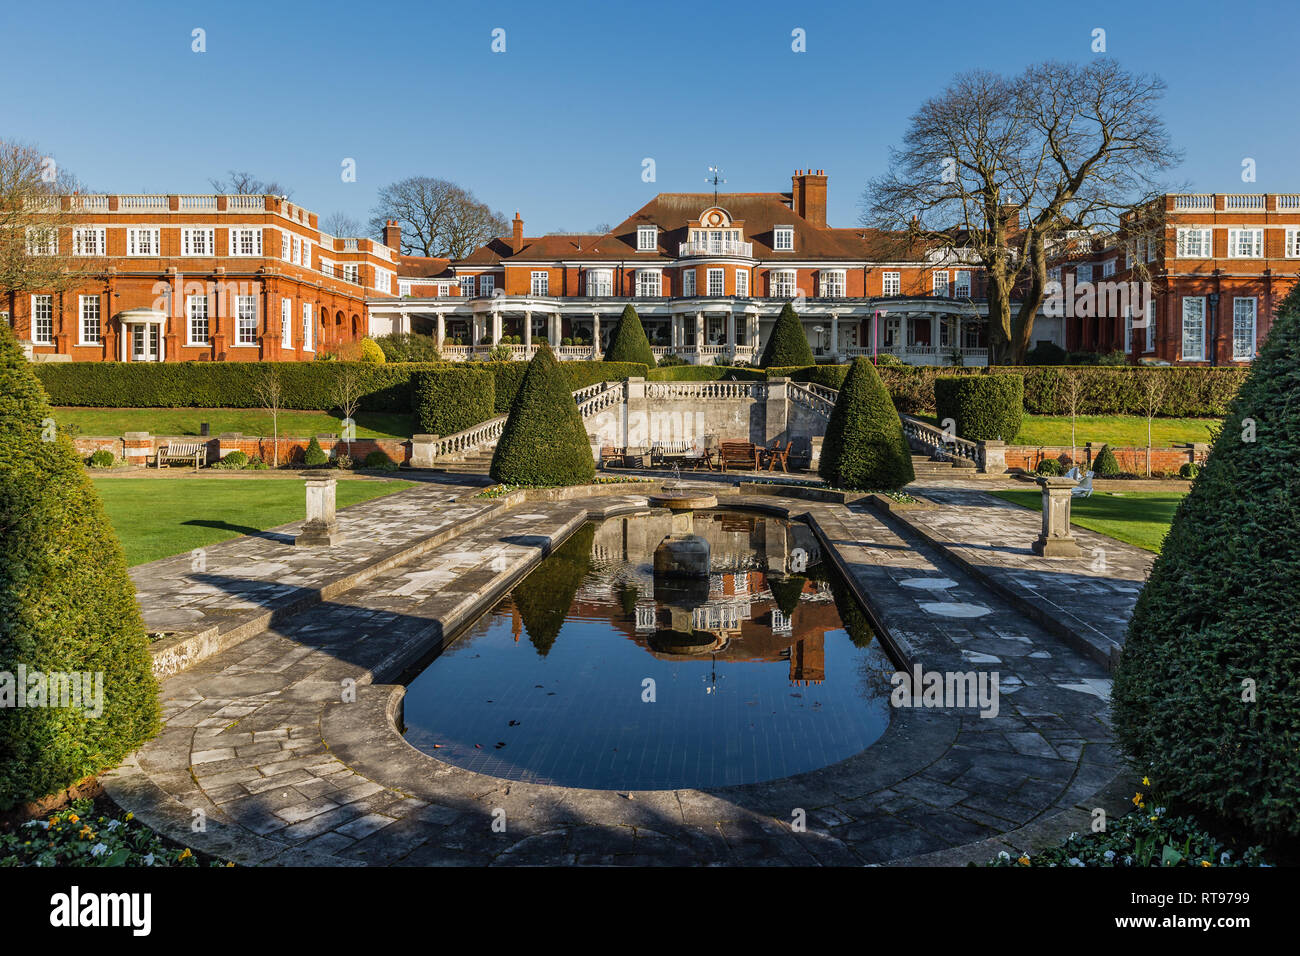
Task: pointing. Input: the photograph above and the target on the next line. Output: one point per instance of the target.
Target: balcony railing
(197, 203)
(142, 203)
(716, 247)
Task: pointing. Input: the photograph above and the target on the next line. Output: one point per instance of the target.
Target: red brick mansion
(246, 278)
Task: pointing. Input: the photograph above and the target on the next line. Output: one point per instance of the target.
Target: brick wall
(291, 448)
(1132, 460)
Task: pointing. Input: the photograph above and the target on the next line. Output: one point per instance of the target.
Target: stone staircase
(927, 467)
(477, 462)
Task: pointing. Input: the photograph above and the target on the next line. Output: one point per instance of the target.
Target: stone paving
(287, 744)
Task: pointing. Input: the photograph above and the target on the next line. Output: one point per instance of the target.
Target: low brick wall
(1132, 460)
(291, 448)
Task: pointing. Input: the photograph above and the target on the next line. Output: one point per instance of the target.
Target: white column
(126, 334)
(162, 342)
(731, 332)
(528, 328)
(496, 328)
(835, 334)
(404, 322)
(934, 331)
(442, 330)
(699, 331)
(553, 329)
(595, 332)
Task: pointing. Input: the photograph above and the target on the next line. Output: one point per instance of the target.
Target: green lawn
(158, 517)
(1140, 518)
(1118, 430)
(250, 421)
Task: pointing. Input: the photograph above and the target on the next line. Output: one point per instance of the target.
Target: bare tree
(39, 206)
(1154, 386)
(244, 183)
(438, 218)
(342, 225)
(1002, 169)
(1072, 392)
(269, 391)
(347, 398)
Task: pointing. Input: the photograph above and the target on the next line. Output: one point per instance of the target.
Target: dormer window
(783, 239)
(647, 238)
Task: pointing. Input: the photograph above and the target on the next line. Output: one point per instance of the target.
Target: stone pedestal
(993, 457)
(321, 528)
(422, 450)
(1055, 541)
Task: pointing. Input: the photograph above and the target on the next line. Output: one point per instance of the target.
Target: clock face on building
(714, 218)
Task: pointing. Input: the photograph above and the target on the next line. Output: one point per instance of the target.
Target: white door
(144, 343)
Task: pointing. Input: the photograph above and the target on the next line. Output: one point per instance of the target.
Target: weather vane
(715, 179)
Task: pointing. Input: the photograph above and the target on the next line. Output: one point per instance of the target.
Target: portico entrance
(143, 335)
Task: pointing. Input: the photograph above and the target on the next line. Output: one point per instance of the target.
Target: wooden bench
(188, 451)
(610, 454)
(743, 453)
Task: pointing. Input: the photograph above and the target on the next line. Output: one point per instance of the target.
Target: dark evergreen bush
(985, 407)
(1105, 465)
(788, 343)
(67, 605)
(102, 458)
(864, 447)
(314, 456)
(1049, 467)
(379, 460)
(449, 400)
(629, 342)
(1045, 354)
(1189, 471)
(544, 441)
(1206, 698)
(232, 461)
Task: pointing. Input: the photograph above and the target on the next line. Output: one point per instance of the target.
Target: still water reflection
(598, 672)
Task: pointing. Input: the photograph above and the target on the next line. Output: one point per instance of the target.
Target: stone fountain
(683, 553)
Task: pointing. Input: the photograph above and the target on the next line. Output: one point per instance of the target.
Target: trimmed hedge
(544, 442)
(984, 407)
(629, 342)
(787, 343)
(449, 400)
(864, 447)
(67, 606)
(1206, 696)
(1105, 465)
(705, 373)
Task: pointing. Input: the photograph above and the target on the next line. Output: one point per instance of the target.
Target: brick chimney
(808, 194)
(517, 239)
(393, 235)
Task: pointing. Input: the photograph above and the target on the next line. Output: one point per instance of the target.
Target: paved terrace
(258, 738)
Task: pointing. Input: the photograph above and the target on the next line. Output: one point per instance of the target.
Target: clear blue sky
(558, 125)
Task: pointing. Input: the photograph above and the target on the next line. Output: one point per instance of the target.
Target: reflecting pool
(599, 671)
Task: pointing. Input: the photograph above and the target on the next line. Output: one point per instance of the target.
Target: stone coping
(352, 790)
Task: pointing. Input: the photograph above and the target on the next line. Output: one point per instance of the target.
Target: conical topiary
(787, 344)
(313, 455)
(629, 342)
(67, 608)
(1206, 698)
(864, 447)
(1105, 465)
(544, 441)
(544, 596)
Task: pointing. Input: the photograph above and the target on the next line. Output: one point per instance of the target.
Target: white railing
(245, 203)
(935, 440)
(589, 400)
(90, 203)
(349, 245)
(576, 352)
(142, 203)
(821, 391)
(1244, 201)
(197, 203)
(1199, 202)
(716, 247)
(803, 394)
(1287, 201)
(696, 391)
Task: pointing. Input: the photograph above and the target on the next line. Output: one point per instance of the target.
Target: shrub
(1045, 353)
(409, 347)
(788, 343)
(629, 342)
(379, 460)
(544, 441)
(1189, 471)
(500, 353)
(66, 603)
(985, 407)
(1217, 614)
(668, 360)
(256, 464)
(314, 456)
(371, 353)
(864, 446)
(102, 458)
(705, 373)
(1049, 467)
(449, 400)
(1105, 465)
(889, 358)
(232, 461)
(343, 461)
(830, 376)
